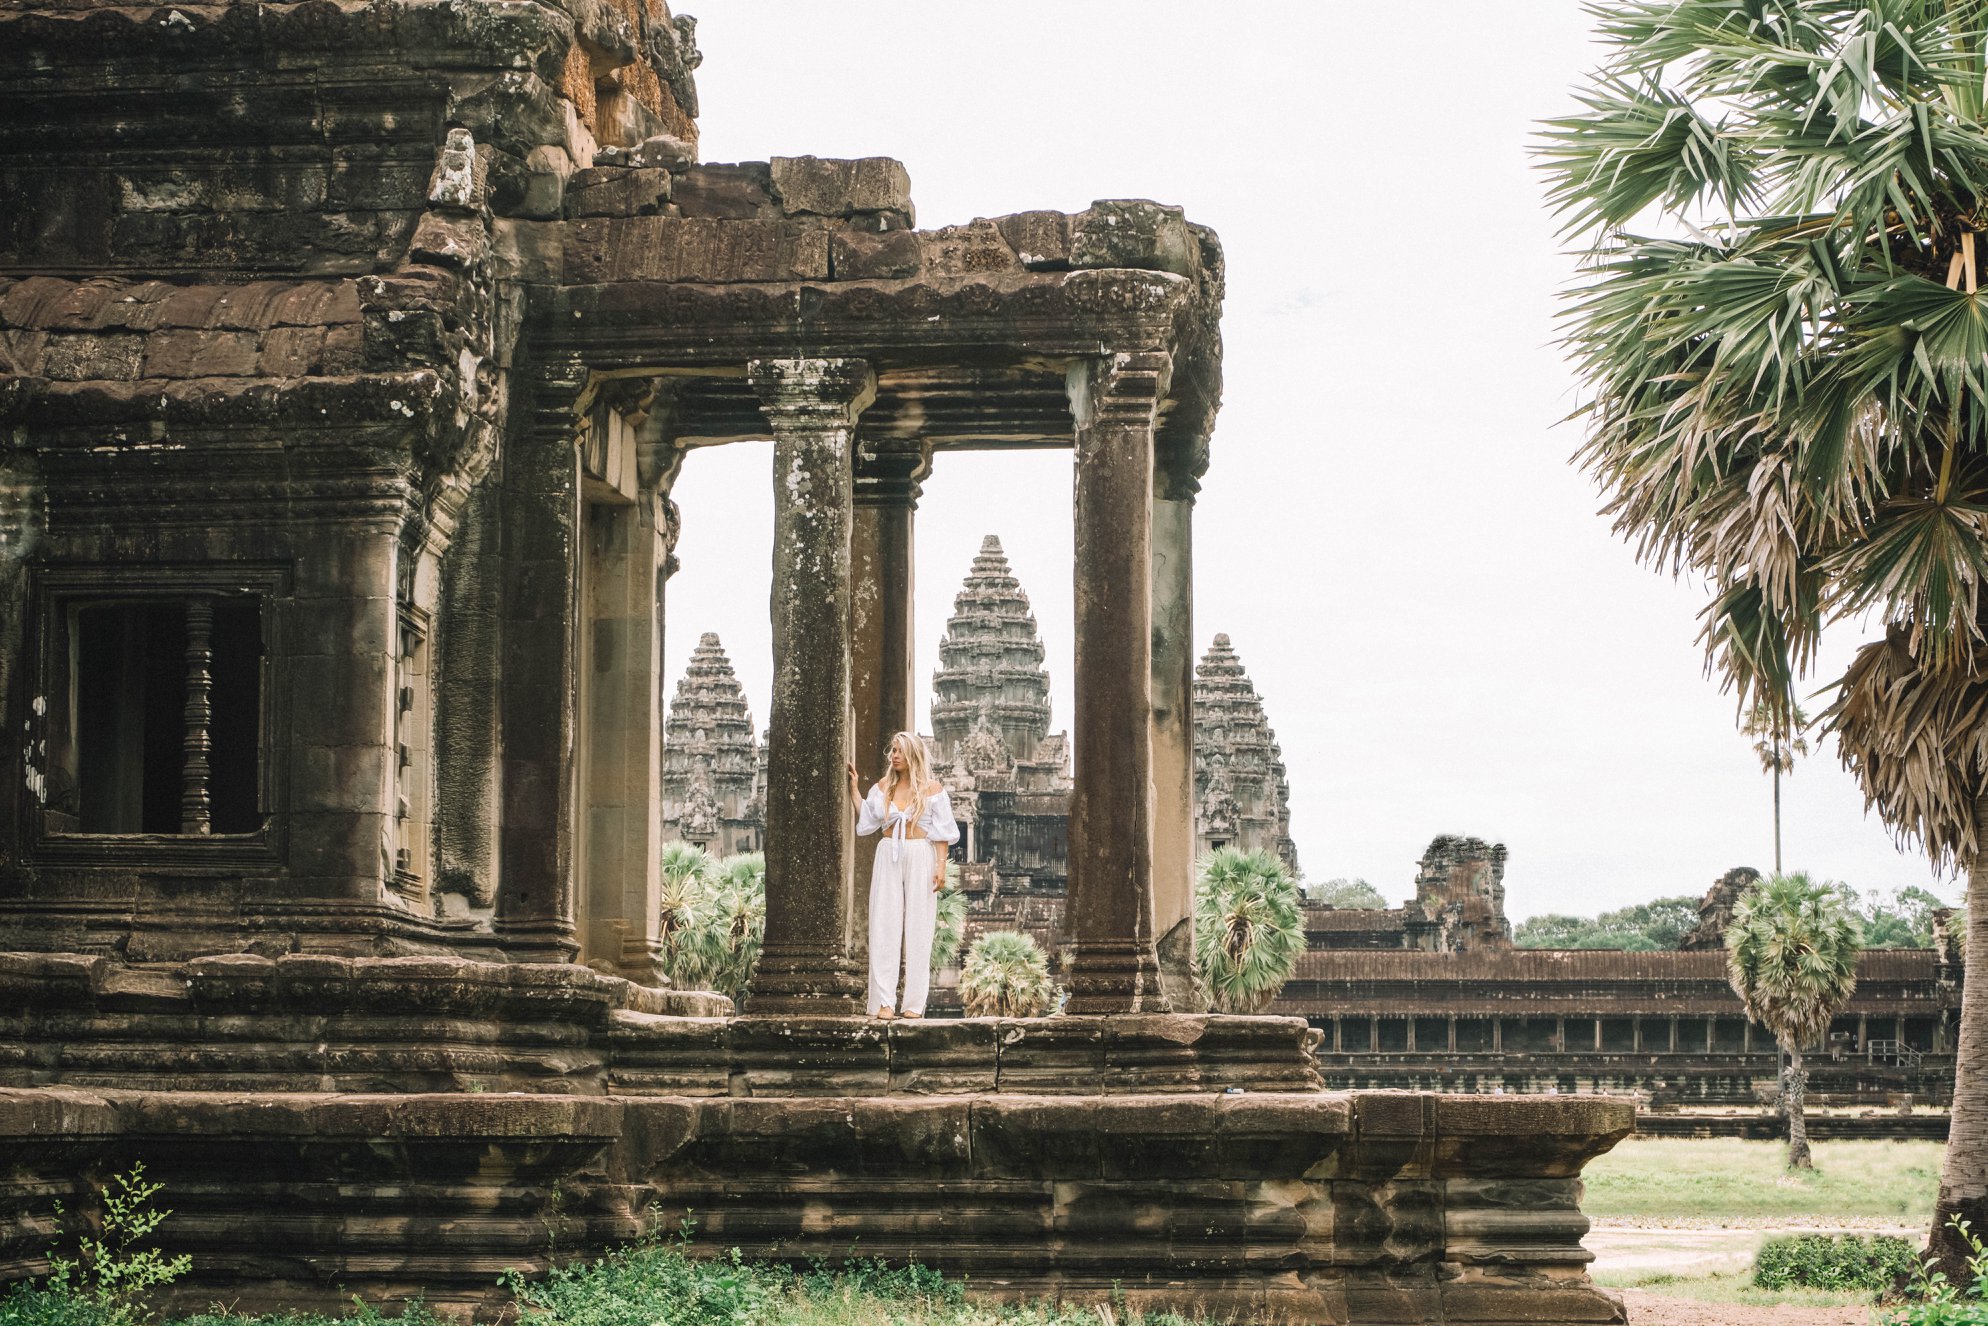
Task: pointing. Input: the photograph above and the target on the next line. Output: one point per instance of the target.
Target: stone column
(539, 477)
(631, 531)
(1114, 967)
(881, 642)
(1174, 487)
(807, 964)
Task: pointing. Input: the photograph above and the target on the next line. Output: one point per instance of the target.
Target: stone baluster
(808, 964)
(195, 802)
(882, 650)
(1114, 967)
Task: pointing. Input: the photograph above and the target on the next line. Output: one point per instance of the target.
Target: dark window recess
(131, 665)
(130, 716)
(235, 779)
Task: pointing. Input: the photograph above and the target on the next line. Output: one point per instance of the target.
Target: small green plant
(1833, 1261)
(950, 925)
(1933, 1301)
(108, 1280)
(1006, 976)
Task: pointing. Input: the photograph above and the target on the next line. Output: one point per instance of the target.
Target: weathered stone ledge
(1364, 1207)
(306, 1022)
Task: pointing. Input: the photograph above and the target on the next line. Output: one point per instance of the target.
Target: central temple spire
(990, 663)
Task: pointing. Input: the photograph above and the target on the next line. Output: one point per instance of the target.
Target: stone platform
(1285, 1207)
(308, 1022)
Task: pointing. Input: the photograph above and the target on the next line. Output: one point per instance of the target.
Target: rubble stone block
(1041, 240)
(662, 248)
(617, 191)
(1134, 233)
(719, 191)
(661, 151)
(200, 354)
(291, 352)
(967, 250)
(819, 186)
(83, 357)
(861, 256)
(451, 241)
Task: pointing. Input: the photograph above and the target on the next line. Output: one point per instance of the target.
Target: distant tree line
(1902, 918)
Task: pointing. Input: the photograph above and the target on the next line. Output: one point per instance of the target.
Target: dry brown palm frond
(1916, 737)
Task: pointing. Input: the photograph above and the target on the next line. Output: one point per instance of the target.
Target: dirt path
(1650, 1309)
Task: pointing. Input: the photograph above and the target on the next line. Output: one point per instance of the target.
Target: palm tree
(1785, 385)
(949, 927)
(1791, 957)
(683, 879)
(732, 935)
(1778, 740)
(1248, 929)
(1006, 976)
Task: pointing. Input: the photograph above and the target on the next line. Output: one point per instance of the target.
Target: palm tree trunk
(1777, 819)
(1798, 1126)
(1964, 1171)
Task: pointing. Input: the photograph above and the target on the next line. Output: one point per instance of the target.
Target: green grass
(1728, 1181)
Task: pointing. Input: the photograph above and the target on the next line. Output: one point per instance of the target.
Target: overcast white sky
(1446, 636)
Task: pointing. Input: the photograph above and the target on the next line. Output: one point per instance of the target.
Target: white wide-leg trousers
(903, 910)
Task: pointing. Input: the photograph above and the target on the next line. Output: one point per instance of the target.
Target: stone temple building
(712, 793)
(1009, 775)
(1432, 994)
(1242, 797)
(348, 354)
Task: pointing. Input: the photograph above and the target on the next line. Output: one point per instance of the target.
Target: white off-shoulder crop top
(937, 821)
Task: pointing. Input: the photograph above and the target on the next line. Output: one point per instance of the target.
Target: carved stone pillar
(1113, 965)
(882, 646)
(539, 483)
(628, 466)
(807, 964)
(1174, 486)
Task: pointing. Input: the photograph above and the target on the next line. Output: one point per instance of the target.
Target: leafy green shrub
(1006, 976)
(109, 1279)
(1932, 1301)
(1833, 1261)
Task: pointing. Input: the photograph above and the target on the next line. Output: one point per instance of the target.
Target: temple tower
(711, 763)
(1242, 797)
(990, 665)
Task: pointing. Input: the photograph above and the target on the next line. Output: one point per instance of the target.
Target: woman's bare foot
(884, 1014)
(909, 1014)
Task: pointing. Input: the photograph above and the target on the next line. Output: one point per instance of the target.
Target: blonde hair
(917, 771)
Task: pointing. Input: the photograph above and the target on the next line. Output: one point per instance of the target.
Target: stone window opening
(156, 716)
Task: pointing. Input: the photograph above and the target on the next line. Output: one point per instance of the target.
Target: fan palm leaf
(1248, 928)
(1006, 975)
(1784, 349)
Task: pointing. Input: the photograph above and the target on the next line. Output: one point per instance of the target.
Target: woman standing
(916, 816)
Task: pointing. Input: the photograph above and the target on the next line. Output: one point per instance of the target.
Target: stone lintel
(631, 324)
